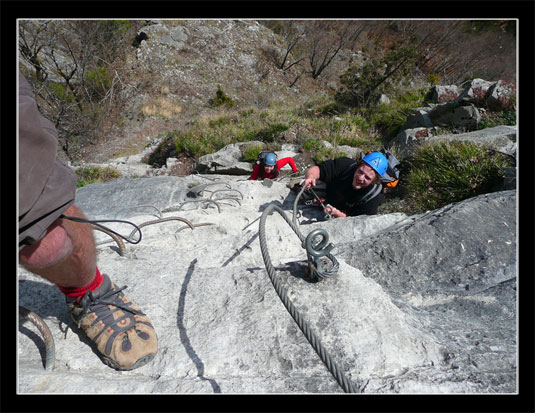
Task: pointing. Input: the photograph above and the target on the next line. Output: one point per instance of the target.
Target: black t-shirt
(338, 175)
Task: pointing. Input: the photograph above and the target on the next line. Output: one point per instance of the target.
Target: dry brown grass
(162, 107)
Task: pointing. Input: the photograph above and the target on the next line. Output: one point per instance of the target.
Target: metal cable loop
(344, 383)
(225, 190)
(198, 200)
(196, 225)
(50, 349)
(316, 252)
(198, 189)
(156, 221)
(120, 244)
(229, 198)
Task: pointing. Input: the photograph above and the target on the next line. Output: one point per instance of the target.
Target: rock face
(501, 138)
(227, 160)
(460, 110)
(420, 304)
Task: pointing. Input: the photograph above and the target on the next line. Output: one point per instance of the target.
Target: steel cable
(120, 244)
(225, 190)
(344, 383)
(195, 201)
(156, 221)
(50, 349)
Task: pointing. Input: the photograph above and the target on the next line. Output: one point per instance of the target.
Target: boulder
(500, 138)
(418, 118)
(383, 100)
(459, 112)
(463, 281)
(443, 94)
(475, 91)
(160, 34)
(349, 151)
(227, 160)
(404, 140)
(466, 117)
(501, 96)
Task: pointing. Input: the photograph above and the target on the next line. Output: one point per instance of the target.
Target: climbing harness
(321, 201)
(296, 201)
(317, 251)
(50, 349)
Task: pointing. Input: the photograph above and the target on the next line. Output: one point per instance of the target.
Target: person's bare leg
(66, 255)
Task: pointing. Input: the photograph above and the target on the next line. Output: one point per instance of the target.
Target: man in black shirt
(353, 187)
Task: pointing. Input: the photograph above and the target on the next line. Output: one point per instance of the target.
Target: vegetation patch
(327, 153)
(389, 118)
(99, 80)
(162, 107)
(95, 174)
(221, 99)
(251, 153)
(442, 173)
(270, 133)
(491, 119)
(159, 156)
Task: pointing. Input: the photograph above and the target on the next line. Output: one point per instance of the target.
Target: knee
(53, 248)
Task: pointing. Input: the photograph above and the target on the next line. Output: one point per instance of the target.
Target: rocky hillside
(419, 304)
(177, 67)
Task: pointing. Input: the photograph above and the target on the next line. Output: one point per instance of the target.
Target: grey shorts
(46, 186)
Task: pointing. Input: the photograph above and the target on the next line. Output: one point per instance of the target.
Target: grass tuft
(95, 174)
(443, 173)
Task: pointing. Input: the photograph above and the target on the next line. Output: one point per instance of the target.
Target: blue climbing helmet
(377, 161)
(270, 159)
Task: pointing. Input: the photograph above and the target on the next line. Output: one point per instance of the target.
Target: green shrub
(98, 79)
(251, 153)
(332, 109)
(442, 173)
(326, 153)
(221, 98)
(194, 145)
(158, 157)
(312, 144)
(390, 117)
(490, 119)
(433, 79)
(61, 92)
(95, 174)
(271, 132)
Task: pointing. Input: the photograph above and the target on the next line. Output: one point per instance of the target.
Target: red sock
(78, 292)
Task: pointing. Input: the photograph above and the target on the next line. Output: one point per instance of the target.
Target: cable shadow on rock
(240, 250)
(183, 334)
(297, 269)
